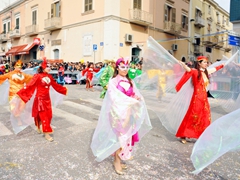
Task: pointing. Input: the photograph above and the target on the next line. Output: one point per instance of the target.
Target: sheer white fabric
(4, 91)
(120, 118)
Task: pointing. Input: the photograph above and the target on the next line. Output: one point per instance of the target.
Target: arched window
(183, 59)
(56, 53)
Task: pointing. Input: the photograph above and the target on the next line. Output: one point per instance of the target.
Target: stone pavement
(160, 156)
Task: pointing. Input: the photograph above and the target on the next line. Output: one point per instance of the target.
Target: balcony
(14, 34)
(3, 37)
(32, 30)
(209, 41)
(138, 16)
(198, 50)
(199, 22)
(220, 42)
(53, 23)
(172, 27)
(227, 48)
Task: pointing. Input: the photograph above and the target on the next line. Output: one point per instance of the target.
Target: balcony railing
(198, 49)
(209, 41)
(53, 23)
(14, 34)
(3, 37)
(172, 27)
(138, 16)
(199, 22)
(220, 42)
(32, 30)
(227, 48)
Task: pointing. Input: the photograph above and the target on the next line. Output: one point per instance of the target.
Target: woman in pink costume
(123, 119)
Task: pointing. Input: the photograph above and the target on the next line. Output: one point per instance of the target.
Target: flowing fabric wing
(225, 84)
(219, 138)
(161, 73)
(120, 118)
(4, 91)
(31, 71)
(56, 98)
(21, 113)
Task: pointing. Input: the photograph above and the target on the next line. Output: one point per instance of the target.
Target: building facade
(95, 30)
(209, 30)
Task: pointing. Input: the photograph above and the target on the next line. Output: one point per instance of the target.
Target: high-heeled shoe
(39, 131)
(119, 172)
(124, 166)
(184, 141)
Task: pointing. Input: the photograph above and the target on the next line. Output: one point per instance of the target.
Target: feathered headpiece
(122, 60)
(200, 58)
(19, 63)
(44, 63)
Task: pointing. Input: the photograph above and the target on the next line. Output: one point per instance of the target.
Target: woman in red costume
(42, 109)
(89, 75)
(198, 116)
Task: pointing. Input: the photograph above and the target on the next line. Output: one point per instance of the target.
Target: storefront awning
(13, 50)
(26, 49)
(18, 50)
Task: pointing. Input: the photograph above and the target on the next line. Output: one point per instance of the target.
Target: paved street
(160, 156)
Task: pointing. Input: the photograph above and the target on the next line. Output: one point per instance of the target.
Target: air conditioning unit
(194, 41)
(128, 38)
(174, 47)
(3, 48)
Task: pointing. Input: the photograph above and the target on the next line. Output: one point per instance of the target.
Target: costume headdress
(44, 63)
(200, 58)
(19, 63)
(122, 60)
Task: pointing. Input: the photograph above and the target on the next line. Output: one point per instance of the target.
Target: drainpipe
(190, 30)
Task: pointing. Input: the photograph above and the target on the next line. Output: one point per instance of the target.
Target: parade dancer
(89, 75)
(16, 78)
(198, 116)
(42, 108)
(106, 76)
(123, 119)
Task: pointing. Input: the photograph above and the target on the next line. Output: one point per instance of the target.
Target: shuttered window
(88, 5)
(137, 4)
(56, 9)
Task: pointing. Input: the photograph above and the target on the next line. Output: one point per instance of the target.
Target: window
(184, 22)
(88, 5)
(34, 17)
(17, 22)
(137, 4)
(169, 13)
(198, 14)
(56, 9)
(223, 20)
(218, 18)
(4, 28)
(209, 10)
(227, 21)
(56, 53)
(9, 26)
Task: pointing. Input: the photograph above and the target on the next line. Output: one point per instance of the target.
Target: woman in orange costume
(17, 79)
(89, 76)
(198, 116)
(42, 108)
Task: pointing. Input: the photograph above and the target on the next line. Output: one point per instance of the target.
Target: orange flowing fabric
(16, 79)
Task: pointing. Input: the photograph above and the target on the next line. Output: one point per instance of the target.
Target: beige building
(209, 30)
(95, 30)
